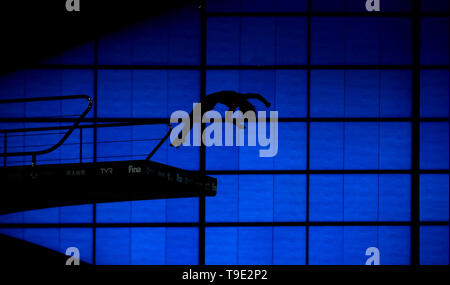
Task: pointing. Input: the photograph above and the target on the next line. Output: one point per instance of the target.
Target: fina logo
(132, 169)
(373, 5)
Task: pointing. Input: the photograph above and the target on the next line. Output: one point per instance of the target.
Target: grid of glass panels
(357, 95)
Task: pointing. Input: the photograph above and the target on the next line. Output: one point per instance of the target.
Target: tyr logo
(106, 171)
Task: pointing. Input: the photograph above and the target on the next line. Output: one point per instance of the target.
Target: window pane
(361, 45)
(434, 245)
(182, 210)
(434, 197)
(224, 206)
(149, 211)
(291, 40)
(112, 246)
(327, 40)
(359, 6)
(395, 38)
(356, 242)
(326, 246)
(148, 246)
(162, 40)
(255, 245)
(394, 245)
(434, 93)
(255, 198)
(394, 197)
(360, 146)
(289, 197)
(361, 93)
(82, 54)
(357, 197)
(221, 246)
(76, 214)
(395, 93)
(289, 246)
(326, 198)
(290, 95)
(117, 212)
(434, 145)
(223, 35)
(326, 146)
(359, 40)
(48, 238)
(80, 238)
(434, 5)
(257, 41)
(256, 5)
(395, 146)
(182, 246)
(360, 197)
(280, 198)
(434, 40)
(348, 245)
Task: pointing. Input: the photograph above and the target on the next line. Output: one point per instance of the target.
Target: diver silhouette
(232, 99)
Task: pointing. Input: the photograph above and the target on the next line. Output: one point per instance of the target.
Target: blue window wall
(358, 119)
(347, 245)
(353, 40)
(255, 245)
(434, 135)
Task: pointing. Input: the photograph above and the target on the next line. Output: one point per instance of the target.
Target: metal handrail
(160, 143)
(66, 135)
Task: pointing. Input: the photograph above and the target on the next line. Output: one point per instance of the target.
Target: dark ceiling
(32, 30)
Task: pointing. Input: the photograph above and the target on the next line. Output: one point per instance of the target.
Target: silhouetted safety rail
(34, 153)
